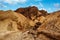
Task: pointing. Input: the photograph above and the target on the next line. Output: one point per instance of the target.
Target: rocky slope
(13, 26)
(13, 19)
(51, 27)
(29, 24)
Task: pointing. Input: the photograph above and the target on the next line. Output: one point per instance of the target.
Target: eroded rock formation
(29, 24)
(50, 28)
(14, 20)
(28, 12)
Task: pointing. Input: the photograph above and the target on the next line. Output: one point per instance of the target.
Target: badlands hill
(29, 24)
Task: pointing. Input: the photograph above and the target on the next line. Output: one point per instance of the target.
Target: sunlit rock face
(29, 24)
(14, 26)
(10, 20)
(51, 27)
(33, 14)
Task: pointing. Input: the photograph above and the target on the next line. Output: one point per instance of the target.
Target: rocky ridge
(29, 24)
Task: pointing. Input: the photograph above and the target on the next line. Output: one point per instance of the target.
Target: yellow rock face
(51, 26)
(12, 25)
(8, 25)
(10, 20)
(41, 19)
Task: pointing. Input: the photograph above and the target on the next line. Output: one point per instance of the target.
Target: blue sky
(48, 5)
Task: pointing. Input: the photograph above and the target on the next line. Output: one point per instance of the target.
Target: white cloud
(43, 9)
(41, 4)
(57, 5)
(3, 6)
(14, 1)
